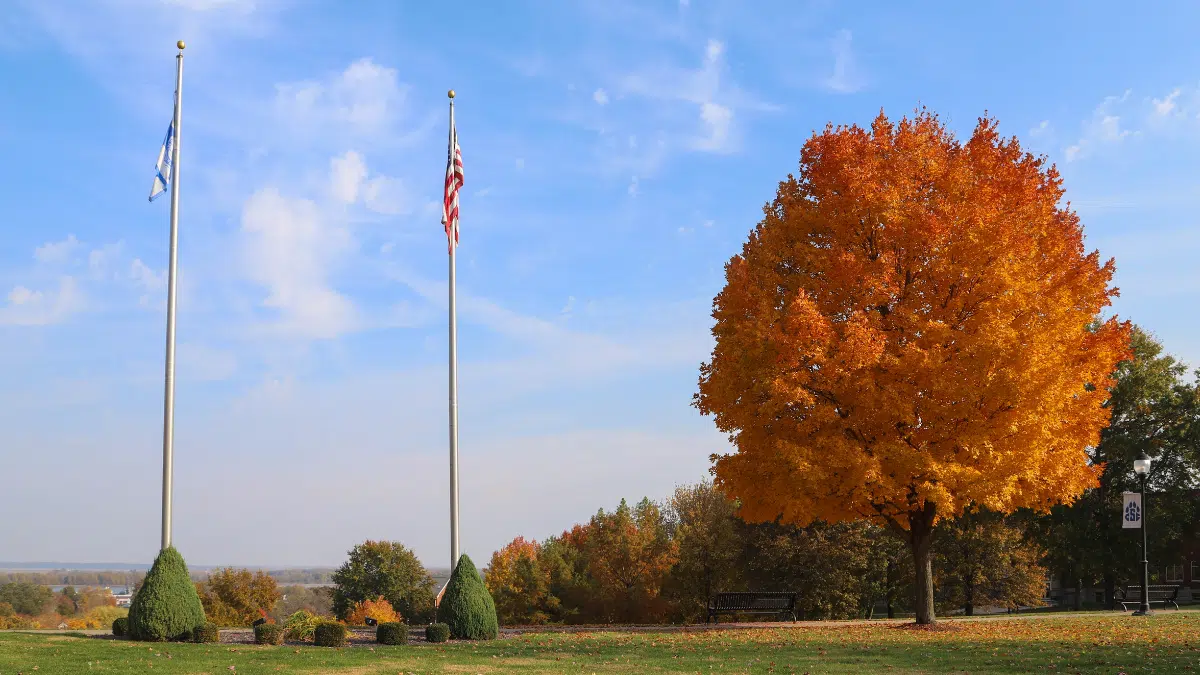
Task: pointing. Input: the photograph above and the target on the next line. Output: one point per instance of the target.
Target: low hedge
(437, 632)
(206, 632)
(268, 634)
(330, 634)
(120, 627)
(391, 633)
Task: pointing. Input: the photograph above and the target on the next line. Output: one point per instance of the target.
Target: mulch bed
(355, 637)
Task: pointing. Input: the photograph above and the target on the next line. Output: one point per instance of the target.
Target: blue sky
(616, 155)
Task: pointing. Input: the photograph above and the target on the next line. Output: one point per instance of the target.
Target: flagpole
(169, 393)
(453, 372)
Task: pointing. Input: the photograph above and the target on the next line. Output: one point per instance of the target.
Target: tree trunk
(891, 593)
(1110, 590)
(969, 607)
(920, 537)
(1078, 594)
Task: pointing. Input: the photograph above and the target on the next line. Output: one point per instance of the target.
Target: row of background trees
(660, 562)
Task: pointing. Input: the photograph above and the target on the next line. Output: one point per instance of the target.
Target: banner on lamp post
(1131, 511)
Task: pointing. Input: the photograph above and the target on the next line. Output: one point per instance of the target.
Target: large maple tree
(913, 327)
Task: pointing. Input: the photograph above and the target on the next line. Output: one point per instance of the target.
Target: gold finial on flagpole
(450, 93)
(180, 45)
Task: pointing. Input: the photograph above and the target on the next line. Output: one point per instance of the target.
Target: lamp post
(1141, 466)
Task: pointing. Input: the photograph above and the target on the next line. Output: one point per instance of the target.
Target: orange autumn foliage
(912, 327)
(519, 585)
(380, 609)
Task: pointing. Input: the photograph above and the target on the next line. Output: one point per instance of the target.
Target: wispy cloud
(846, 78)
(28, 307)
(1102, 128)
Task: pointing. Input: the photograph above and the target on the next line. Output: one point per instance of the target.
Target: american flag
(454, 181)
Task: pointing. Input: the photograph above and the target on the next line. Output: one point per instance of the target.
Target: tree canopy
(911, 329)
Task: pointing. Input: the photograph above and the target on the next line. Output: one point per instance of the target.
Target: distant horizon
(37, 566)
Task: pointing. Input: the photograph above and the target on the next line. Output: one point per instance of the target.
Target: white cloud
(290, 247)
(717, 118)
(600, 96)
(364, 99)
(346, 175)
(713, 99)
(845, 78)
(633, 186)
(713, 52)
(1102, 128)
(102, 261)
(1042, 128)
(349, 184)
(26, 307)
(57, 252)
(1164, 106)
(387, 196)
(210, 5)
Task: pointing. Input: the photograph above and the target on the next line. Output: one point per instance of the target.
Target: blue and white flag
(162, 170)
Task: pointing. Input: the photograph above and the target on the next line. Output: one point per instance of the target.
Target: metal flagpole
(169, 395)
(453, 370)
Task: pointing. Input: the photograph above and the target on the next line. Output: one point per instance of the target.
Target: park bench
(751, 603)
(1160, 595)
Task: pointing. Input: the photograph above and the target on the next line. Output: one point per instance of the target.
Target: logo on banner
(1132, 512)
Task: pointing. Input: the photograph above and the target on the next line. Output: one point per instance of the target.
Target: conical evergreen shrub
(166, 607)
(467, 607)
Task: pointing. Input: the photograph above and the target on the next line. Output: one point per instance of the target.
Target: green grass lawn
(1109, 643)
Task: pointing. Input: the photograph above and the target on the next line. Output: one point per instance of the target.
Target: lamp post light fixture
(1141, 466)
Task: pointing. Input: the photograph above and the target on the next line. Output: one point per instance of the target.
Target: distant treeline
(73, 578)
(133, 577)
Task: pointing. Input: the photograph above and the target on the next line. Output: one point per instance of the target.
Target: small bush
(380, 610)
(120, 627)
(437, 632)
(206, 632)
(300, 625)
(268, 634)
(166, 607)
(17, 622)
(467, 607)
(329, 634)
(391, 633)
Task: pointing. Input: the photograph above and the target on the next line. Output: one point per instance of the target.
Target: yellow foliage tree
(380, 609)
(912, 328)
(520, 585)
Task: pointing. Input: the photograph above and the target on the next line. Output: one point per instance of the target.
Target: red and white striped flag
(454, 181)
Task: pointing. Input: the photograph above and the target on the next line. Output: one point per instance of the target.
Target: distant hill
(71, 566)
(103, 574)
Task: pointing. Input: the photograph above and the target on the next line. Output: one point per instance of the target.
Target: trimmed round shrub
(467, 607)
(329, 634)
(206, 632)
(268, 634)
(120, 627)
(391, 633)
(437, 632)
(166, 607)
